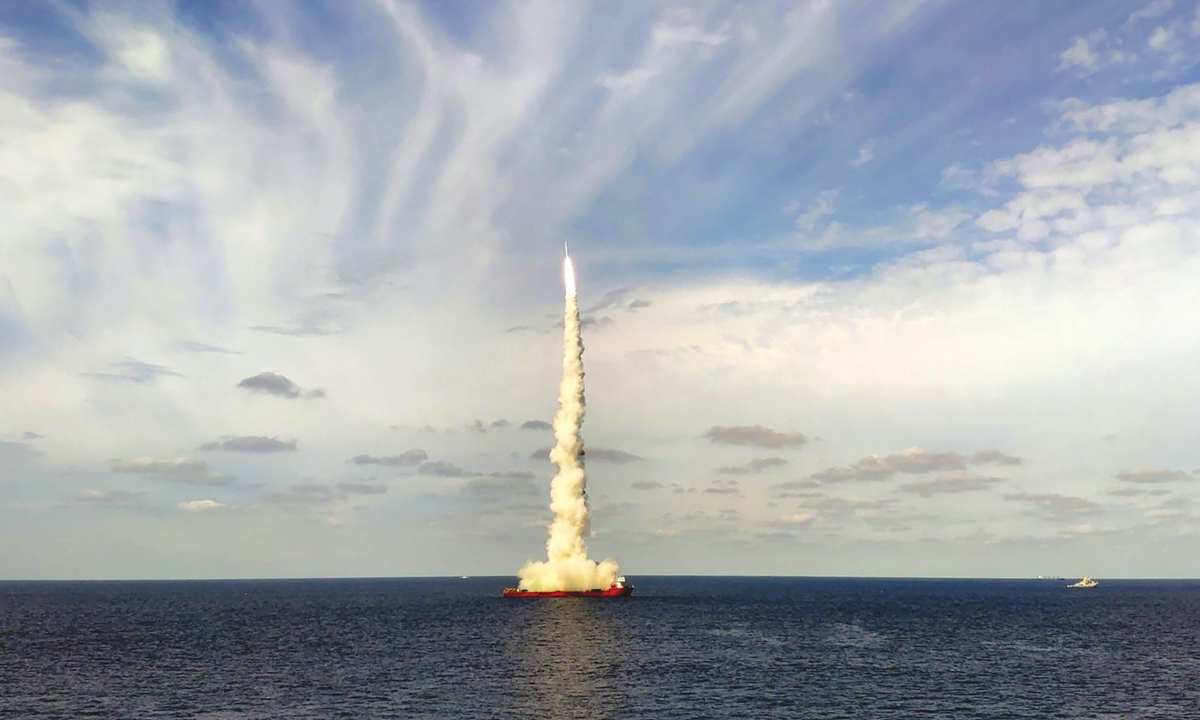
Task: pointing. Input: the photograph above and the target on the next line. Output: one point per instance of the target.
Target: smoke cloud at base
(568, 566)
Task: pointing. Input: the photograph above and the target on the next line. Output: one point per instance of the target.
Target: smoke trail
(568, 567)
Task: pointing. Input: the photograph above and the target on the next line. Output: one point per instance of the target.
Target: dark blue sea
(679, 648)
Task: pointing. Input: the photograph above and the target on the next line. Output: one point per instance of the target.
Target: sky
(902, 288)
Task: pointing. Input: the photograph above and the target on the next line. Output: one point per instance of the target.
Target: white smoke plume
(568, 566)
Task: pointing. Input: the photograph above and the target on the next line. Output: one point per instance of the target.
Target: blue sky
(950, 245)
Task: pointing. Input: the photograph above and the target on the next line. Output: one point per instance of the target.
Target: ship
(619, 588)
(1086, 582)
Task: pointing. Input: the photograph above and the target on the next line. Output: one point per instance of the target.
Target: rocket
(566, 253)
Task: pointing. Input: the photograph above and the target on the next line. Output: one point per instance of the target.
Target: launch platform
(619, 588)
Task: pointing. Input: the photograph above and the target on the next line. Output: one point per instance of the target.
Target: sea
(680, 647)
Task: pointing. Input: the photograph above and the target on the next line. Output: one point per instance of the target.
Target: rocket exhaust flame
(568, 566)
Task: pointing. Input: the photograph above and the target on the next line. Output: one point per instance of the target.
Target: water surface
(679, 648)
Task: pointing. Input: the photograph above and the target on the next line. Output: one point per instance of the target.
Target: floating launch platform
(619, 588)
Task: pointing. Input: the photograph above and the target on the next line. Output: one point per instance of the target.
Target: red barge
(619, 588)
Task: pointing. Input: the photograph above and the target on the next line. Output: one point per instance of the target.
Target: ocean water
(679, 648)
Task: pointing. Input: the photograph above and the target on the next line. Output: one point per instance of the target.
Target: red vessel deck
(611, 592)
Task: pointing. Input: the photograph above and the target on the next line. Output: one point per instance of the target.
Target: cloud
(1081, 54)
(800, 518)
(195, 347)
(755, 466)
(187, 472)
(1152, 476)
(594, 454)
(28, 435)
(112, 498)
(501, 423)
(840, 507)
(250, 444)
(1162, 40)
(912, 461)
(536, 425)
(646, 485)
(303, 494)
(994, 457)
(441, 468)
(294, 331)
(609, 455)
(271, 384)
(1154, 9)
(407, 458)
(807, 484)
(1057, 506)
(865, 155)
(503, 485)
(195, 506)
(610, 299)
(755, 436)
(954, 482)
(362, 488)
(136, 372)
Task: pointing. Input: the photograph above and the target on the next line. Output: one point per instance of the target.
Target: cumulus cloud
(121, 498)
(501, 423)
(536, 425)
(1081, 53)
(994, 457)
(407, 458)
(912, 461)
(865, 155)
(755, 436)
(753, 467)
(1057, 506)
(954, 482)
(29, 435)
(250, 444)
(1152, 476)
(312, 494)
(503, 485)
(184, 471)
(442, 468)
(196, 506)
(646, 485)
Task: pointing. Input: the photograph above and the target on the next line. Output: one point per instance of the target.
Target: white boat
(1086, 582)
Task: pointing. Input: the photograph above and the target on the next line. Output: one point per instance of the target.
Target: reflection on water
(567, 648)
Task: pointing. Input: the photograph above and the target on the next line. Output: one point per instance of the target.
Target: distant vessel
(1049, 577)
(1086, 582)
(619, 588)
